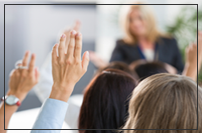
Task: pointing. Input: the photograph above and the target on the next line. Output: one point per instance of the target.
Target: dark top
(166, 50)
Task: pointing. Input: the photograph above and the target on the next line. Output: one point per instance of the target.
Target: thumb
(85, 60)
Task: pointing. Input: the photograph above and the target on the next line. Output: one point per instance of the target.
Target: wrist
(190, 70)
(191, 65)
(20, 95)
(61, 92)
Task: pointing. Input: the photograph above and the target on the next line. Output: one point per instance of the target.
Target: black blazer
(166, 51)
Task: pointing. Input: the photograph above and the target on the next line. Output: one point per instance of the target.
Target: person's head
(165, 101)
(105, 103)
(138, 21)
(120, 66)
(144, 69)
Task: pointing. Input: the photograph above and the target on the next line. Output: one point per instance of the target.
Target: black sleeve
(117, 54)
(178, 62)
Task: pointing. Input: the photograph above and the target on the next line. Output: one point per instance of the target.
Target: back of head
(165, 101)
(144, 69)
(105, 104)
(119, 66)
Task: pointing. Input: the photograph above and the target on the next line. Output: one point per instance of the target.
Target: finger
(19, 64)
(191, 48)
(31, 64)
(12, 72)
(18, 69)
(77, 25)
(54, 54)
(25, 58)
(37, 74)
(23, 72)
(17, 73)
(187, 50)
(78, 47)
(194, 46)
(71, 45)
(61, 48)
(67, 33)
(85, 61)
(93, 56)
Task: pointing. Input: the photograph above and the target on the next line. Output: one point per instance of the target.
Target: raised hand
(76, 27)
(191, 62)
(191, 58)
(23, 79)
(191, 54)
(67, 66)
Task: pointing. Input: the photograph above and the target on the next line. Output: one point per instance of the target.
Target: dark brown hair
(144, 69)
(120, 66)
(105, 104)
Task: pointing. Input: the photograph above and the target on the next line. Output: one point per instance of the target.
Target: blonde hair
(147, 14)
(165, 101)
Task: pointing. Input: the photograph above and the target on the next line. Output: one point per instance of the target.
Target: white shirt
(149, 54)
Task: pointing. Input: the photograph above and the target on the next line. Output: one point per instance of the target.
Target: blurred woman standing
(143, 40)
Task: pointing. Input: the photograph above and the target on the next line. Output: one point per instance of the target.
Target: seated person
(120, 66)
(165, 101)
(145, 68)
(105, 103)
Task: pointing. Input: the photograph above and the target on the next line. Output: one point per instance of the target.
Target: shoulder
(122, 43)
(168, 41)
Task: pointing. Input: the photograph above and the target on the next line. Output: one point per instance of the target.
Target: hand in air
(23, 79)
(67, 65)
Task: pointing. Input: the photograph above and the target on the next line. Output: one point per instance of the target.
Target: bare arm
(20, 83)
(190, 69)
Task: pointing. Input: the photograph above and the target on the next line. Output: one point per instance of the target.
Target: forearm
(190, 71)
(51, 116)
(61, 93)
(54, 109)
(43, 87)
(9, 111)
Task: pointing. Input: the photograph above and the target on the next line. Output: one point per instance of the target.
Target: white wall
(45, 23)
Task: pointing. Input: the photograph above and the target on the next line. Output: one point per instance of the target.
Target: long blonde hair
(165, 101)
(147, 14)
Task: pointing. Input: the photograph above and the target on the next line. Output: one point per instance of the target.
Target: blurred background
(36, 28)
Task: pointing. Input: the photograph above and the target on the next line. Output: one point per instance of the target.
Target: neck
(142, 39)
(145, 43)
